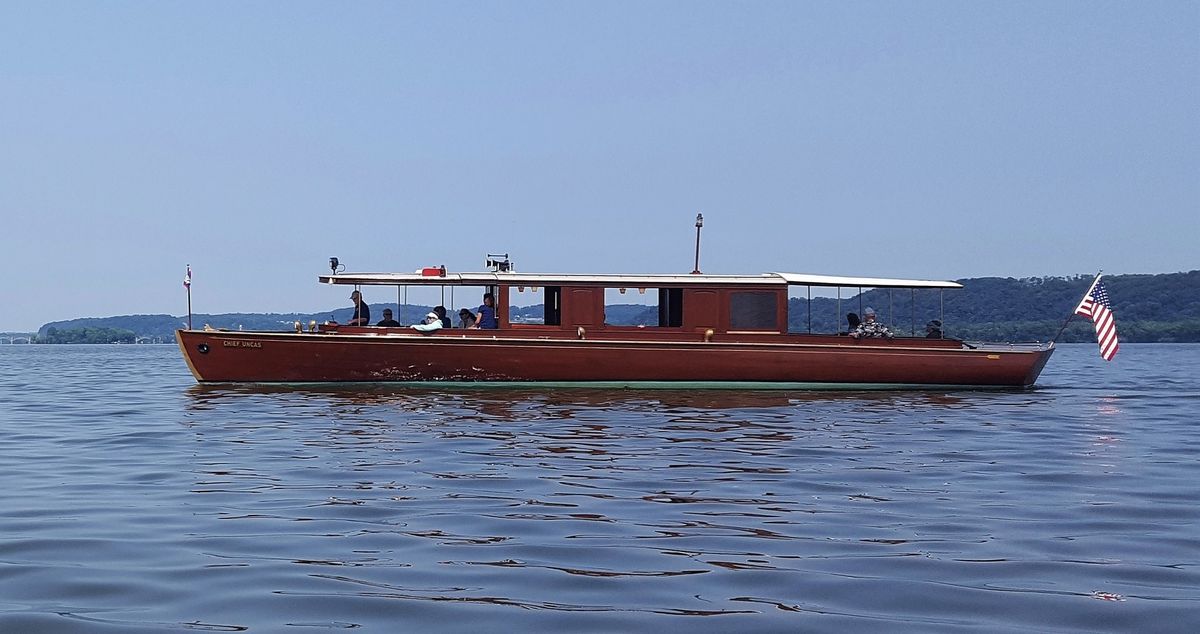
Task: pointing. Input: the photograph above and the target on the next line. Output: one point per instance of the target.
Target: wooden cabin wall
(702, 309)
(582, 307)
(501, 307)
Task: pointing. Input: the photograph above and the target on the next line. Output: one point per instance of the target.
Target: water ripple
(135, 500)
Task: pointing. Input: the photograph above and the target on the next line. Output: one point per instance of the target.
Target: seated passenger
(387, 320)
(487, 313)
(429, 324)
(869, 328)
(466, 319)
(933, 329)
(853, 320)
(441, 313)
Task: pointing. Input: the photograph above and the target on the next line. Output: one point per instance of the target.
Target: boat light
(497, 265)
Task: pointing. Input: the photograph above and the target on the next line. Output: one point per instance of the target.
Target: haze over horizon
(253, 141)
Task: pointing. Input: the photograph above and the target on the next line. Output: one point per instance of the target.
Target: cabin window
(647, 307)
(553, 306)
(534, 305)
(753, 310)
(670, 307)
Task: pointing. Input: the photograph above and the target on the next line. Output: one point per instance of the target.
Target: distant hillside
(164, 326)
(1149, 308)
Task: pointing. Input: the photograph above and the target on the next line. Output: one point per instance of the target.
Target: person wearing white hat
(431, 323)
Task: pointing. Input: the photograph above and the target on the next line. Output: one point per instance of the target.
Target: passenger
(486, 318)
(933, 329)
(466, 319)
(362, 312)
(431, 323)
(441, 313)
(853, 320)
(387, 320)
(869, 328)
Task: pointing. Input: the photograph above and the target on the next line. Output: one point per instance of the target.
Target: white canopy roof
(804, 279)
(624, 281)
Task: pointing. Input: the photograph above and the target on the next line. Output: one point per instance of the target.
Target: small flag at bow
(1095, 305)
(187, 278)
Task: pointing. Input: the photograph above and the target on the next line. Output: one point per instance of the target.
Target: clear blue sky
(909, 139)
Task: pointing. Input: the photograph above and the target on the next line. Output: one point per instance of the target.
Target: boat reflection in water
(523, 404)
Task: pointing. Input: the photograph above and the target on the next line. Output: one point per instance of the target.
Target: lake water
(134, 500)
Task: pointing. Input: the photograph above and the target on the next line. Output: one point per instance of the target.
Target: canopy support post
(912, 304)
(942, 308)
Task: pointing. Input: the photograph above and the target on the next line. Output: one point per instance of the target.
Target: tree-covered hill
(1163, 307)
(164, 326)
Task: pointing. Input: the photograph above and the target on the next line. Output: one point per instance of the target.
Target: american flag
(187, 279)
(1096, 306)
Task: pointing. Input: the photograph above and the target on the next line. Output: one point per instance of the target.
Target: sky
(927, 139)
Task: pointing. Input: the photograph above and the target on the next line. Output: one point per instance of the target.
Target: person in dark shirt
(933, 329)
(487, 313)
(853, 320)
(362, 312)
(440, 311)
(387, 320)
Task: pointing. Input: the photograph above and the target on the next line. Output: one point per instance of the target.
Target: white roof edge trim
(626, 280)
(805, 279)
(535, 279)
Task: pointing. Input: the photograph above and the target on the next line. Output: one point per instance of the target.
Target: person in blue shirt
(487, 313)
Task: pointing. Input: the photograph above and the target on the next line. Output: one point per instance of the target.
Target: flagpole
(1080, 303)
(187, 283)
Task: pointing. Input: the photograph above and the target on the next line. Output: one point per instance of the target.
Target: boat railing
(999, 347)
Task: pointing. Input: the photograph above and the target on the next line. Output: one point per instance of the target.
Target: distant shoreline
(1149, 308)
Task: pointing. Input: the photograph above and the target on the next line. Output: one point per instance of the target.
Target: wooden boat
(712, 331)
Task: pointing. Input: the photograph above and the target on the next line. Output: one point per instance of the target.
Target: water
(134, 500)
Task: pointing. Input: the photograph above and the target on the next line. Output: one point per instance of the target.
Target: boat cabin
(725, 306)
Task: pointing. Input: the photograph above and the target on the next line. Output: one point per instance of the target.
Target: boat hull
(262, 357)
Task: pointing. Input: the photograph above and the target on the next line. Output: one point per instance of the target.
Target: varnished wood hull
(263, 357)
